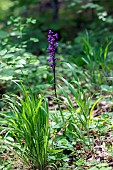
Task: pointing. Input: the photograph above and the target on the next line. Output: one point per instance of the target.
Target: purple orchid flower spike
(52, 47)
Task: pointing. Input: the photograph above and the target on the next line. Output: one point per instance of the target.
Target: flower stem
(54, 76)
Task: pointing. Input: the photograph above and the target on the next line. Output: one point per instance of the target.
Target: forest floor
(100, 156)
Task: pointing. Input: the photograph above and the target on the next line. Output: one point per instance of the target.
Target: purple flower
(52, 47)
(55, 35)
(50, 32)
(56, 45)
(50, 59)
(52, 64)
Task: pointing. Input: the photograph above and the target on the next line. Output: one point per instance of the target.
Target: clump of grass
(81, 117)
(28, 124)
(96, 60)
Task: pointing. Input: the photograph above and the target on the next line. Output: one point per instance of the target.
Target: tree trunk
(55, 7)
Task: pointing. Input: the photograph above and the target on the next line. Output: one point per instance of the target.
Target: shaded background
(69, 18)
(24, 27)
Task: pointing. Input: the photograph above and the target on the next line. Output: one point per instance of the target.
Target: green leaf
(106, 50)
(34, 39)
(3, 34)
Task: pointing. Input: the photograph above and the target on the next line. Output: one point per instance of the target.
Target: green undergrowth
(73, 132)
